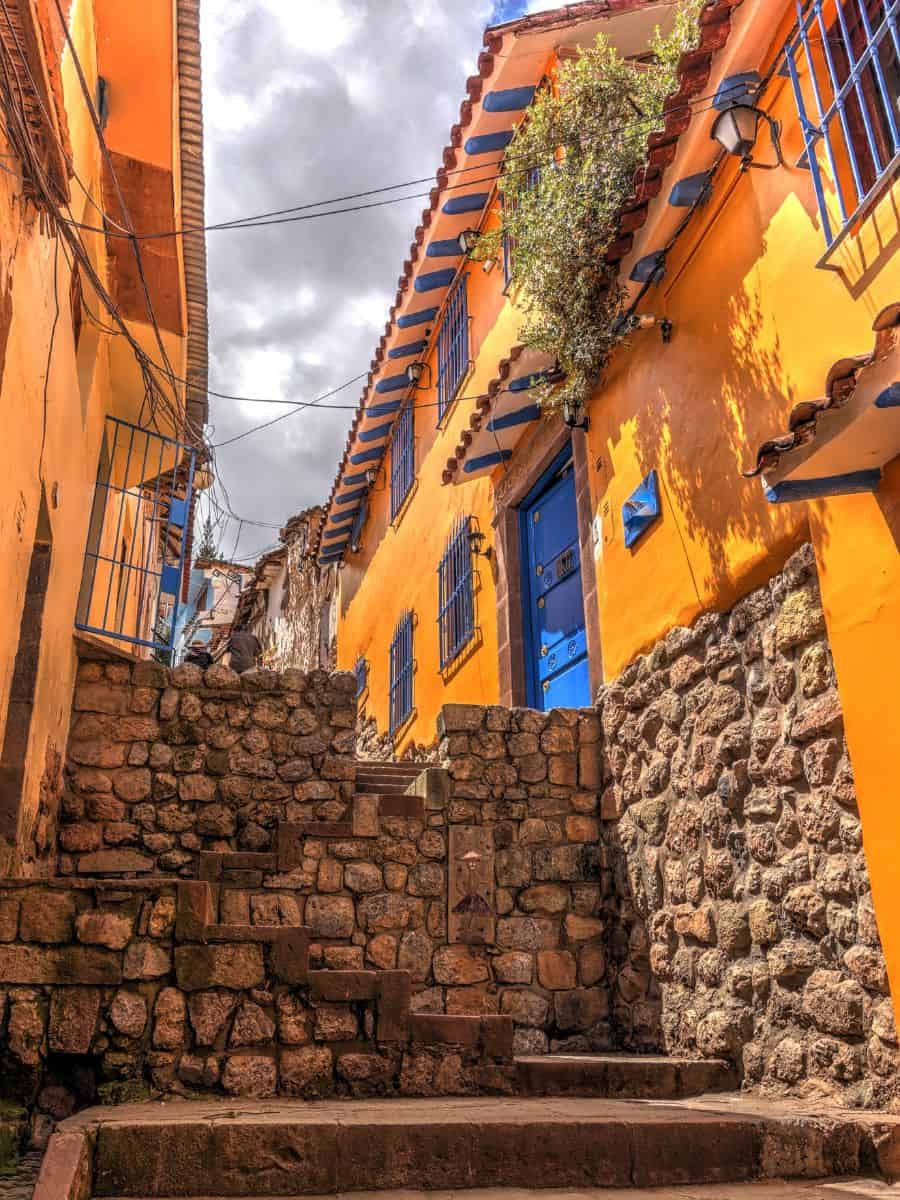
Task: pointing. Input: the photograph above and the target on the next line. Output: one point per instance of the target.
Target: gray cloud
(304, 100)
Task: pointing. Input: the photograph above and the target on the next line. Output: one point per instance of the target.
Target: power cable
(260, 220)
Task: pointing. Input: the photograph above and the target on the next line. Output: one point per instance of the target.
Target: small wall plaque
(641, 509)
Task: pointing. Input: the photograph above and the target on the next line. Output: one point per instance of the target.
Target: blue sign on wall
(641, 509)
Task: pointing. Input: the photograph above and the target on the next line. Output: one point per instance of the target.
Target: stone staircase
(285, 1148)
(387, 778)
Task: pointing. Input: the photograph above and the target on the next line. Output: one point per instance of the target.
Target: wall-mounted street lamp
(573, 414)
(477, 546)
(416, 371)
(371, 476)
(737, 125)
(468, 240)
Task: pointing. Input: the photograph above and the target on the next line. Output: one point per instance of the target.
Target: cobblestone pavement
(21, 1185)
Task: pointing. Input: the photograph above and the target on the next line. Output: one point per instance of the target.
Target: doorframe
(523, 473)
(540, 488)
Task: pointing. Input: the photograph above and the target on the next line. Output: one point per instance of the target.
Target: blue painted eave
(422, 317)
(521, 416)
(487, 143)
(486, 460)
(430, 281)
(408, 350)
(393, 383)
(349, 497)
(364, 456)
(509, 99)
(457, 205)
(444, 248)
(831, 485)
(376, 434)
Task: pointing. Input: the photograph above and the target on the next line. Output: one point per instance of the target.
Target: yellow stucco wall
(756, 328)
(396, 568)
(52, 437)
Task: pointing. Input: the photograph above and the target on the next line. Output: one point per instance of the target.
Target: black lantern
(476, 543)
(736, 128)
(371, 476)
(573, 414)
(415, 371)
(468, 240)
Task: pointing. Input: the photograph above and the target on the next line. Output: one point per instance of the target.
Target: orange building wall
(406, 555)
(857, 540)
(57, 427)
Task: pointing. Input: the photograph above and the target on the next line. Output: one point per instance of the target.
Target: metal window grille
(361, 671)
(134, 558)
(844, 64)
(453, 347)
(401, 695)
(403, 459)
(509, 243)
(456, 592)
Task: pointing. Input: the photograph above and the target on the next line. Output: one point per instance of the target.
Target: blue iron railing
(456, 592)
(401, 694)
(136, 543)
(453, 347)
(844, 64)
(403, 459)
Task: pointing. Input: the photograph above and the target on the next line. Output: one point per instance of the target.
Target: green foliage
(570, 167)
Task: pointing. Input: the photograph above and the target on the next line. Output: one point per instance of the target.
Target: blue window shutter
(456, 592)
(403, 459)
(401, 688)
(453, 347)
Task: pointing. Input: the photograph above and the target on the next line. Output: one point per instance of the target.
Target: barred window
(403, 459)
(843, 64)
(453, 347)
(456, 592)
(401, 694)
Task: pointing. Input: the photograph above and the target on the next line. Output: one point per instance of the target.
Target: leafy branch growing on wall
(570, 167)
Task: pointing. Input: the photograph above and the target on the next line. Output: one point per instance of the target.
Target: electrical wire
(261, 220)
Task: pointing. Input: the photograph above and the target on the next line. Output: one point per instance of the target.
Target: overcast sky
(306, 100)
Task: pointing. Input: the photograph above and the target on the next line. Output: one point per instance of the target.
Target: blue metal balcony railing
(844, 64)
(137, 537)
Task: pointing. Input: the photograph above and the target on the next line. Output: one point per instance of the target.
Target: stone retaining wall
(523, 795)
(741, 923)
(113, 991)
(163, 764)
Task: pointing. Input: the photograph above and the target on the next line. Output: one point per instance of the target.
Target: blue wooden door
(555, 641)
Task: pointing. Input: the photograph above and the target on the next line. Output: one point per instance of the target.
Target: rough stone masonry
(679, 870)
(741, 922)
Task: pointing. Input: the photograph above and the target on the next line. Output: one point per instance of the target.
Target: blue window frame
(453, 347)
(844, 64)
(361, 671)
(401, 695)
(456, 592)
(403, 459)
(509, 245)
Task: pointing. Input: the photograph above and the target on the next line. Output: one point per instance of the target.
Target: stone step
(295, 1148)
(627, 1076)
(831, 1189)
